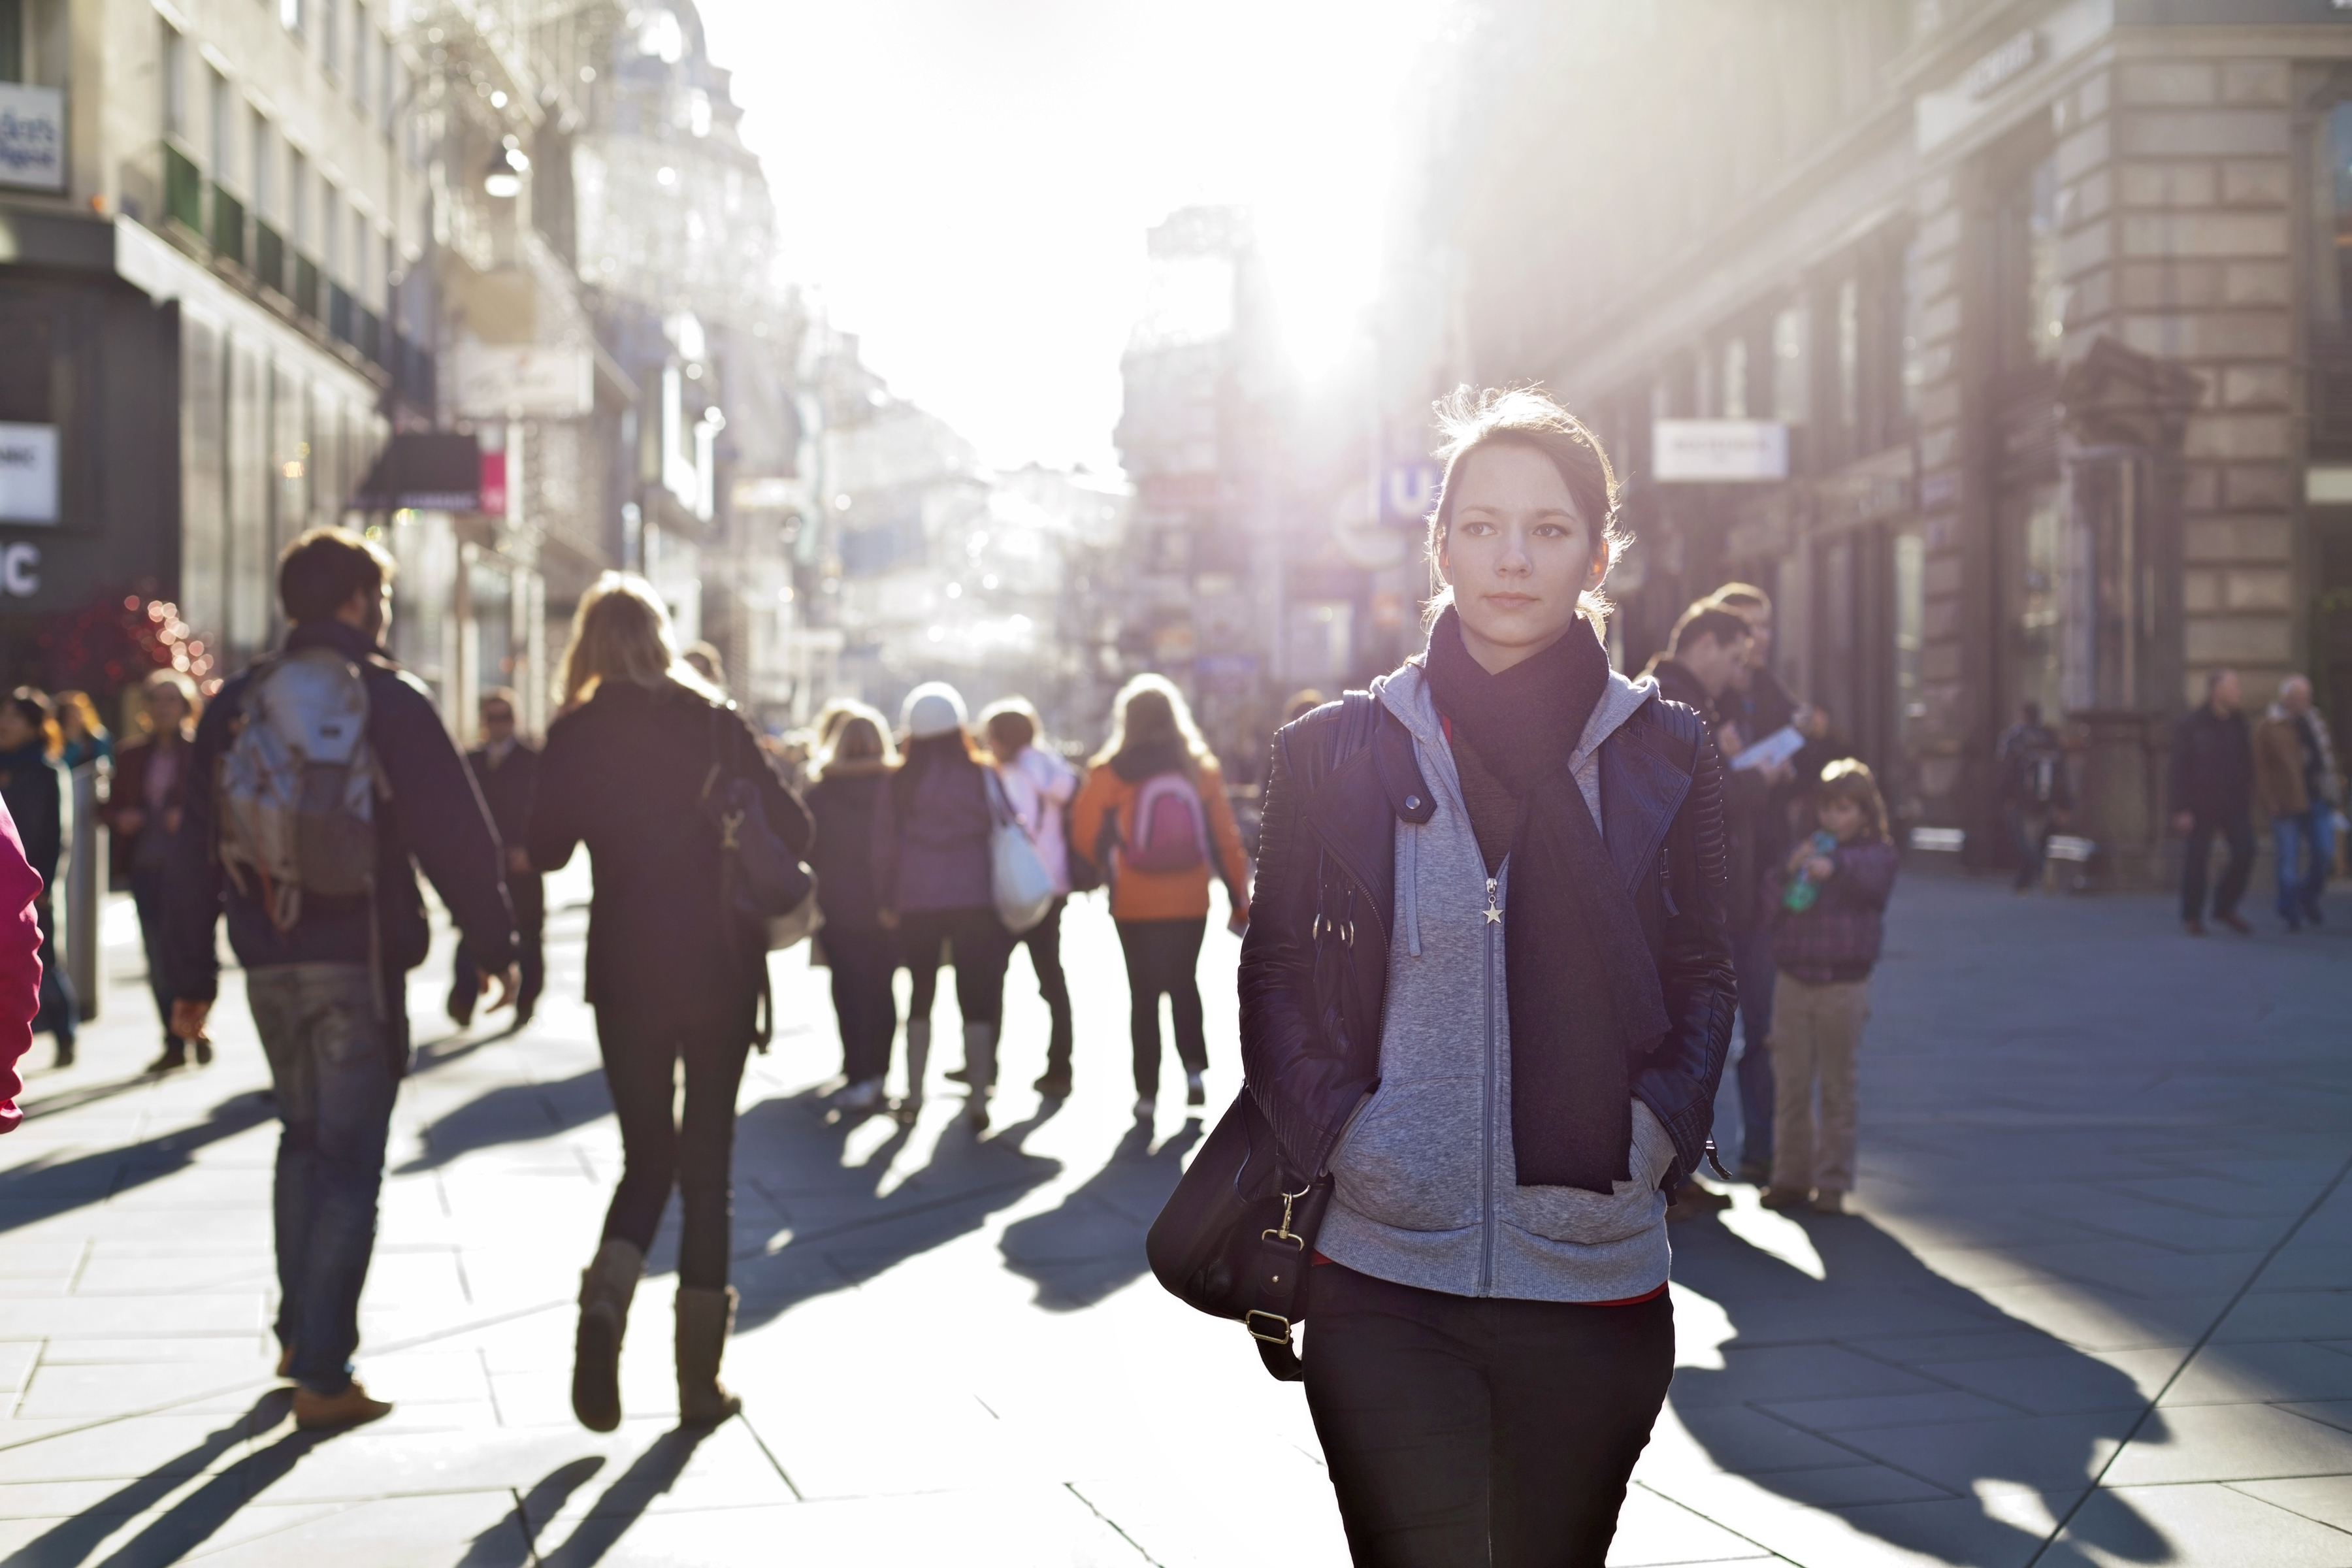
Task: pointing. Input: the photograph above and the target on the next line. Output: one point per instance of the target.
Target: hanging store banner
(29, 473)
(32, 135)
(1718, 451)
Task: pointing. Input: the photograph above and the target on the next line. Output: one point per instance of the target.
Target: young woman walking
(627, 761)
(932, 866)
(33, 786)
(1829, 909)
(151, 784)
(1486, 991)
(852, 767)
(1037, 785)
(1154, 816)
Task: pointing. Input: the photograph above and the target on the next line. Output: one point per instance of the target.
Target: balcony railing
(306, 286)
(184, 191)
(227, 227)
(268, 256)
(339, 314)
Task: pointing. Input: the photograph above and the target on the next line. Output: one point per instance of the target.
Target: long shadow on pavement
(1884, 1360)
(507, 1544)
(624, 1502)
(844, 1229)
(513, 1113)
(43, 1189)
(1092, 1244)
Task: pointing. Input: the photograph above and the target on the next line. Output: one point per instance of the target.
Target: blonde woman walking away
(625, 770)
(853, 767)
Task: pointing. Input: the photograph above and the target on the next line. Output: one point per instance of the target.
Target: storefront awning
(432, 471)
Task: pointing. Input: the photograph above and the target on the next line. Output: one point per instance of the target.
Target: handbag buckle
(729, 822)
(1281, 1336)
(1282, 1232)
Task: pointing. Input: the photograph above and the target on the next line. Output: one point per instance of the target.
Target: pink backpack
(1171, 830)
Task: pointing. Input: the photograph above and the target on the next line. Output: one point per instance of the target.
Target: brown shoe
(2236, 923)
(351, 1407)
(1829, 1203)
(1785, 1198)
(2193, 928)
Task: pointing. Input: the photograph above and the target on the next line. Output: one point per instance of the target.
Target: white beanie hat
(934, 708)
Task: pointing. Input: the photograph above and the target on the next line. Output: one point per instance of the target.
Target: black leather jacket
(1314, 968)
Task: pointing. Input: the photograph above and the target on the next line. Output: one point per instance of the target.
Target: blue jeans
(2300, 885)
(336, 1058)
(1751, 958)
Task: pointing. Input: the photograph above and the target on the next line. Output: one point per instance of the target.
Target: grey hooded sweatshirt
(1425, 1184)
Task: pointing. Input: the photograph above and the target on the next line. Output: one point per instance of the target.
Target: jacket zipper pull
(1494, 912)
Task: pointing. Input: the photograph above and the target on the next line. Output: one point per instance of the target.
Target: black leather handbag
(767, 895)
(1233, 1242)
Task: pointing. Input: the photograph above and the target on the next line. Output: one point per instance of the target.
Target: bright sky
(966, 182)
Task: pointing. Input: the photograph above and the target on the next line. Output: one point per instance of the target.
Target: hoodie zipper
(1494, 926)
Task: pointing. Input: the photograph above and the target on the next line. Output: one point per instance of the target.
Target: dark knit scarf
(1583, 987)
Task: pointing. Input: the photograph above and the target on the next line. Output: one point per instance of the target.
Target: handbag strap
(1278, 1266)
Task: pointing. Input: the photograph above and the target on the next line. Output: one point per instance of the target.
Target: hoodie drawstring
(1412, 889)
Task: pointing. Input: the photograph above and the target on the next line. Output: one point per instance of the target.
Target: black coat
(842, 805)
(507, 789)
(2213, 764)
(33, 784)
(1314, 990)
(624, 772)
(434, 818)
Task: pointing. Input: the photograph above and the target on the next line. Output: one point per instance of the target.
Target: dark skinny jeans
(982, 949)
(2237, 869)
(1044, 941)
(1478, 1430)
(1163, 956)
(659, 1148)
(862, 963)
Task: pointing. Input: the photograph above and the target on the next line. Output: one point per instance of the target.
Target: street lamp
(503, 179)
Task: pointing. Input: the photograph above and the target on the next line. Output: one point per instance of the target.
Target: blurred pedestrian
(31, 783)
(1500, 1044)
(20, 966)
(1830, 908)
(1038, 785)
(143, 817)
(86, 739)
(2029, 780)
(932, 866)
(853, 767)
(641, 740)
(1171, 830)
(705, 660)
(2212, 796)
(327, 940)
(1709, 653)
(1303, 702)
(2297, 786)
(506, 770)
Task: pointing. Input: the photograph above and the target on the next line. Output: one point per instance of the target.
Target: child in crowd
(1829, 904)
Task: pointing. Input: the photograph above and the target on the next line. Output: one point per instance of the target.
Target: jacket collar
(350, 641)
(1405, 692)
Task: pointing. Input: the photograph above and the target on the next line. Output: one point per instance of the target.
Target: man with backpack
(2031, 768)
(326, 777)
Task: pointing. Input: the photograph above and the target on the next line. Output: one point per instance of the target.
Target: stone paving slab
(2093, 1302)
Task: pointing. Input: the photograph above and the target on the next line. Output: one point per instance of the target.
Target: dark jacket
(33, 786)
(930, 839)
(1314, 970)
(2030, 768)
(843, 803)
(1838, 938)
(2213, 764)
(1754, 813)
(434, 818)
(128, 793)
(507, 789)
(624, 772)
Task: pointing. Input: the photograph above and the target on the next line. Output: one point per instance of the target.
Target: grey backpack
(299, 786)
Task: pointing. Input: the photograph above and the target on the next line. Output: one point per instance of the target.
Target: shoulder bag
(767, 896)
(1234, 1239)
(1016, 872)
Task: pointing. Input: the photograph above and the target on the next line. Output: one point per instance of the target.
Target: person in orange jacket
(1154, 819)
(20, 966)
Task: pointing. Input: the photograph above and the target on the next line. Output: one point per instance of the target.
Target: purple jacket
(935, 855)
(1838, 938)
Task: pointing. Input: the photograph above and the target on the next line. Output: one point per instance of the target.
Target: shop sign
(20, 571)
(32, 136)
(526, 380)
(2002, 65)
(1718, 451)
(29, 473)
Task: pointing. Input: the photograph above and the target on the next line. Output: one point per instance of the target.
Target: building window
(1912, 370)
(263, 188)
(330, 44)
(217, 112)
(360, 60)
(12, 40)
(1735, 379)
(388, 90)
(2030, 539)
(174, 69)
(331, 232)
(2033, 297)
(297, 197)
(2332, 274)
(1910, 630)
(1849, 355)
(1791, 389)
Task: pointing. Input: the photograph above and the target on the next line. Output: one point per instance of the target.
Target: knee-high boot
(606, 1287)
(705, 1318)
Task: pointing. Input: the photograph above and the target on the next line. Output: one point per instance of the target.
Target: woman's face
(166, 710)
(1517, 552)
(1840, 817)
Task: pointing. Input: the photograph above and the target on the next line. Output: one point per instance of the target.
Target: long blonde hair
(621, 631)
(852, 718)
(1149, 710)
